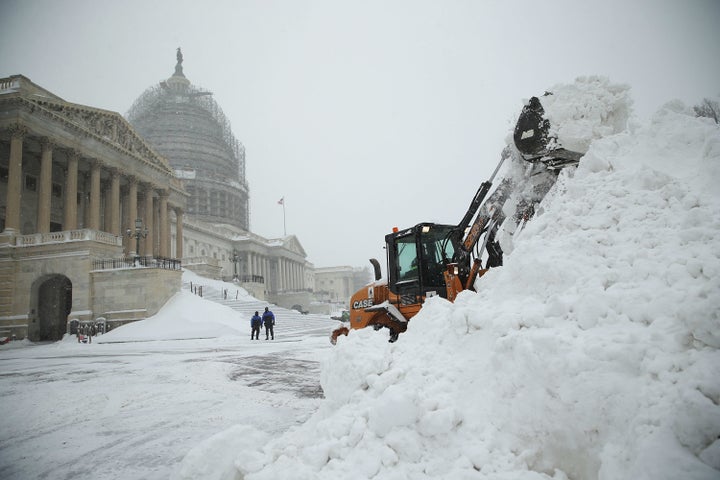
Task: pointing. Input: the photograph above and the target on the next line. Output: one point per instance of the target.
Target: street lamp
(235, 259)
(137, 233)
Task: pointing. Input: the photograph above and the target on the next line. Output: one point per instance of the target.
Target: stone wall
(27, 266)
(287, 300)
(126, 295)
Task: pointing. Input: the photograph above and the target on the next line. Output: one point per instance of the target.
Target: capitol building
(100, 213)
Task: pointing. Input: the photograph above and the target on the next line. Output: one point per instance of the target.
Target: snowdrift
(185, 316)
(592, 354)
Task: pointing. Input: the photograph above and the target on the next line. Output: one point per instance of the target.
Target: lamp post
(235, 259)
(136, 234)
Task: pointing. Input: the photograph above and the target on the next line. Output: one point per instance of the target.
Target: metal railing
(131, 262)
(251, 278)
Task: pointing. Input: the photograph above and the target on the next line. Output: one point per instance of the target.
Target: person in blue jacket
(255, 323)
(269, 321)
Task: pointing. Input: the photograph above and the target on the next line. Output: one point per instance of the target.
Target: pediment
(109, 127)
(292, 243)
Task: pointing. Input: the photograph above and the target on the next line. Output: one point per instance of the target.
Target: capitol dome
(184, 124)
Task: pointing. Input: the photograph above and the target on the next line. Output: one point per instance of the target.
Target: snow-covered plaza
(136, 409)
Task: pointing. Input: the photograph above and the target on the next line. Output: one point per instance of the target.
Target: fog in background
(363, 115)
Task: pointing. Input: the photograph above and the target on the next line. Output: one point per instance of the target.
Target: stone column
(14, 188)
(279, 280)
(105, 205)
(291, 280)
(147, 244)
(132, 212)
(94, 220)
(179, 233)
(84, 185)
(114, 226)
(277, 283)
(281, 273)
(164, 225)
(124, 215)
(288, 274)
(71, 185)
(45, 187)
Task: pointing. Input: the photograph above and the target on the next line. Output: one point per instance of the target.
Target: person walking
(269, 321)
(255, 323)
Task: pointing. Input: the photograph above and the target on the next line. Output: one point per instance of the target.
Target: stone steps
(288, 323)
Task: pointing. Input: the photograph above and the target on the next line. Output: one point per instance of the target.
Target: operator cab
(417, 258)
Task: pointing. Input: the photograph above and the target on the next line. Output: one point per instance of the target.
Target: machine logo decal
(368, 302)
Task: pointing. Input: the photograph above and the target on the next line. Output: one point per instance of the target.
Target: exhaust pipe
(376, 267)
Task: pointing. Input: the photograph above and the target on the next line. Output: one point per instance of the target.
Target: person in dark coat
(255, 323)
(269, 321)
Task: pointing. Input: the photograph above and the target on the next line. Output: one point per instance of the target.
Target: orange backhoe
(431, 259)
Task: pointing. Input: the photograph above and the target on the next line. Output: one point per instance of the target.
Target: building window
(4, 175)
(30, 183)
(56, 190)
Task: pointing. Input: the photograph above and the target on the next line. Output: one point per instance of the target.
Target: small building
(335, 285)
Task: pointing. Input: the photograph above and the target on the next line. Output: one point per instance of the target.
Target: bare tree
(708, 108)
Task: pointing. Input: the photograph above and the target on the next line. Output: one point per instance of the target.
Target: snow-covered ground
(593, 353)
(136, 401)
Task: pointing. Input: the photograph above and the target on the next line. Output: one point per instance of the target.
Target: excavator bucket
(535, 142)
(532, 130)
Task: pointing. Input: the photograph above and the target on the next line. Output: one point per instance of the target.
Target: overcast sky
(369, 114)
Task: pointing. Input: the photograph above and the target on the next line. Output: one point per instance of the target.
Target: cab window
(407, 262)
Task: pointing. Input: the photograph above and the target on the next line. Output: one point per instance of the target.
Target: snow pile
(587, 110)
(592, 354)
(187, 316)
(184, 316)
(578, 114)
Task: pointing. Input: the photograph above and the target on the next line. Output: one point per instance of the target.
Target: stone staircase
(289, 324)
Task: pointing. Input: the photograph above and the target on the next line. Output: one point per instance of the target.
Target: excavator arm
(487, 217)
(535, 144)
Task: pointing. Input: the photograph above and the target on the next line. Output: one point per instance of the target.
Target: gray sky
(363, 115)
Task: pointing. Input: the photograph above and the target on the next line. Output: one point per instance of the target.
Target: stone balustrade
(9, 83)
(85, 234)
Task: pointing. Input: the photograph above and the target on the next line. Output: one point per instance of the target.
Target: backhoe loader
(432, 259)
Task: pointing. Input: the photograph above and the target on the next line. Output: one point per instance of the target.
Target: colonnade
(125, 198)
(290, 273)
(257, 264)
